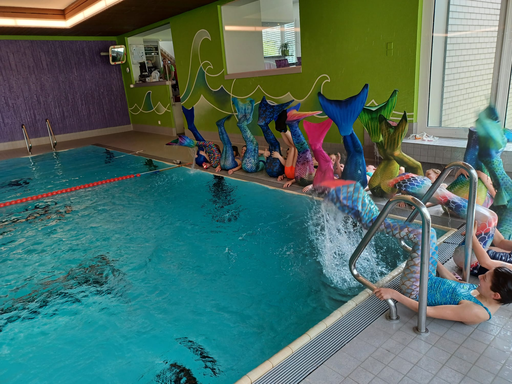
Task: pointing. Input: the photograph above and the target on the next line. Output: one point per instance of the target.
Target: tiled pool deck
(384, 352)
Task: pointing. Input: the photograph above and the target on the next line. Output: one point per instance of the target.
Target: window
(466, 64)
(261, 35)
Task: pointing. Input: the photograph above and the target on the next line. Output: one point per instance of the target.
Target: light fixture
(42, 22)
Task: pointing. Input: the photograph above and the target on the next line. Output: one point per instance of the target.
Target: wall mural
(147, 106)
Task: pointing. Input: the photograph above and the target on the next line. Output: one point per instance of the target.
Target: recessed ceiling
(123, 17)
(47, 4)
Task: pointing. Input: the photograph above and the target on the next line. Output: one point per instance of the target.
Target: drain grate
(299, 365)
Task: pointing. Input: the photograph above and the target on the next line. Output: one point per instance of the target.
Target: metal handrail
(470, 218)
(27, 139)
(53, 140)
(425, 257)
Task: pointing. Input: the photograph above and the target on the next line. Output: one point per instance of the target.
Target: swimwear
(448, 292)
(289, 172)
(506, 257)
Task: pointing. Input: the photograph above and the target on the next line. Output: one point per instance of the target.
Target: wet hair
(235, 149)
(244, 146)
(502, 284)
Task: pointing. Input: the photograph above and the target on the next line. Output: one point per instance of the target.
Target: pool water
(161, 278)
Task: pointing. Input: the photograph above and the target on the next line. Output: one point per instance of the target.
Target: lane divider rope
(83, 186)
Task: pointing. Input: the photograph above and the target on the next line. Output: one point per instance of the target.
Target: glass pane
(508, 119)
(261, 34)
(463, 50)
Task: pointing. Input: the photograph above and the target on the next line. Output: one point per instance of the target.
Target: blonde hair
(435, 170)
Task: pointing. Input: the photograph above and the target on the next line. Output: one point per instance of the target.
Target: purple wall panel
(68, 82)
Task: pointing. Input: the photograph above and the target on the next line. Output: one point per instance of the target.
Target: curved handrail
(425, 256)
(53, 140)
(473, 185)
(27, 139)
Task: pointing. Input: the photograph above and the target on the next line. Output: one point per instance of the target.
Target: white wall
(244, 50)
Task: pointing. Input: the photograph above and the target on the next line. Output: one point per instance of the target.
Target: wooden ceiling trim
(78, 6)
(32, 13)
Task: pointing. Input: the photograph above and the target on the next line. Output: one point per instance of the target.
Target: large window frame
(501, 79)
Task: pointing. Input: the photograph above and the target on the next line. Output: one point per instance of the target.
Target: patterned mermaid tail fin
(369, 116)
(316, 134)
(183, 141)
(244, 110)
(344, 113)
(491, 143)
(351, 198)
(268, 112)
(417, 186)
(227, 159)
(294, 116)
(508, 134)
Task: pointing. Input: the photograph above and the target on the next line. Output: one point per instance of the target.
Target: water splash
(336, 236)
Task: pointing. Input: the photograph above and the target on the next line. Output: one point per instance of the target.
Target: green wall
(345, 44)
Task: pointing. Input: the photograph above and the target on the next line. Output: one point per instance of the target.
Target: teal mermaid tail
(417, 186)
(267, 113)
(351, 198)
(304, 168)
(316, 134)
(251, 162)
(183, 141)
(344, 114)
(491, 143)
(227, 158)
(190, 117)
(460, 186)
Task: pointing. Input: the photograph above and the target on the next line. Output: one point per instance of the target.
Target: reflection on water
(222, 205)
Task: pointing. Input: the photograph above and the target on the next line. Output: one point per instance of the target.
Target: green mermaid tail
(390, 148)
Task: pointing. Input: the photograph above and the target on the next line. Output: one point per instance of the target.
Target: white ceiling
(51, 4)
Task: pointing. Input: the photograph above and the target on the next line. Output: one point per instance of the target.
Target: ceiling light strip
(72, 21)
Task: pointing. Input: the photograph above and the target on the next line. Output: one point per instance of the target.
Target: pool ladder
(426, 225)
(53, 140)
(28, 143)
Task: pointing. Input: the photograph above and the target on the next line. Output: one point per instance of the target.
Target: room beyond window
(467, 65)
(261, 37)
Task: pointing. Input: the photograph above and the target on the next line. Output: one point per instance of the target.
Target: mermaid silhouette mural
(190, 117)
(304, 168)
(251, 162)
(344, 114)
(267, 113)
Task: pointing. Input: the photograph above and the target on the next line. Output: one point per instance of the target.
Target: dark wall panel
(68, 82)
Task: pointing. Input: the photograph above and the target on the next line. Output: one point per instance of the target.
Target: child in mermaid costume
(447, 299)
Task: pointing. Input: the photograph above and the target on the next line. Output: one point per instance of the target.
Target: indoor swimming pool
(177, 274)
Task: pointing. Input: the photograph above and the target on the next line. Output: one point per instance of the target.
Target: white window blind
(272, 41)
(289, 37)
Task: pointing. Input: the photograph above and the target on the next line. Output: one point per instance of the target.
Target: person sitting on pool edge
(449, 299)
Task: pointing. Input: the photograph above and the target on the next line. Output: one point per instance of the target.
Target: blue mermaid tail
(344, 114)
(304, 168)
(267, 113)
(183, 141)
(190, 117)
(251, 162)
(227, 159)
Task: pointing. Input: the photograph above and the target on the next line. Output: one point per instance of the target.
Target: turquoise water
(143, 280)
